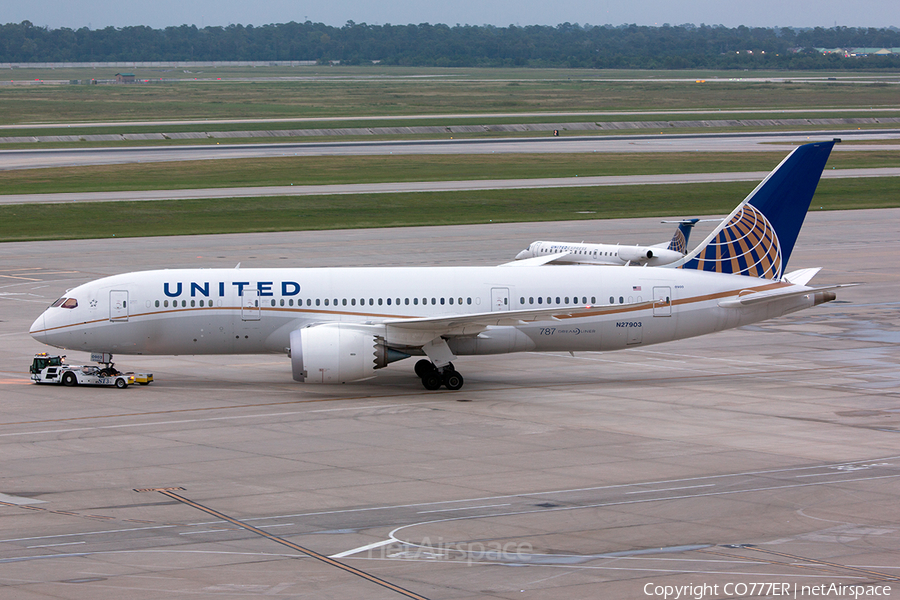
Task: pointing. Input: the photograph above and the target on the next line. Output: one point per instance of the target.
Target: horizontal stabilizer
(780, 294)
(802, 276)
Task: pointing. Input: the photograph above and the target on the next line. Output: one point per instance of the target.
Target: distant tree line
(565, 45)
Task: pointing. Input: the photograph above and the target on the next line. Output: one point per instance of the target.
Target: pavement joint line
(766, 561)
(311, 553)
(880, 576)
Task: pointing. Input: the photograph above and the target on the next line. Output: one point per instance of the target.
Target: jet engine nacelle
(649, 255)
(339, 352)
(636, 253)
(335, 353)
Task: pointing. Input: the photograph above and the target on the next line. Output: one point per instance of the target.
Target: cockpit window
(70, 303)
(58, 302)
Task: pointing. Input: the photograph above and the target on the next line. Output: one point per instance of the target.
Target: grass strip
(361, 97)
(322, 170)
(188, 217)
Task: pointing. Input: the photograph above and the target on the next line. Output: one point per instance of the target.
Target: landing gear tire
(424, 367)
(70, 379)
(432, 381)
(121, 383)
(453, 380)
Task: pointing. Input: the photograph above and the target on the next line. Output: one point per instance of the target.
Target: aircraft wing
(537, 261)
(473, 323)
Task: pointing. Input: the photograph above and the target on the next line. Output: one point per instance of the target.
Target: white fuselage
(602, 254)
(242, 311)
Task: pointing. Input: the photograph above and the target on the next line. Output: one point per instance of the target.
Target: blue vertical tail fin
(757, 238)
(679, 241)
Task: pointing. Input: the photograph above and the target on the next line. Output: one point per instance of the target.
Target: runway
(715, 142)
(765, 454)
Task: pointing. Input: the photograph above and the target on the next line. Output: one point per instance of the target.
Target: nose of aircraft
(38, 330)
(523, 254)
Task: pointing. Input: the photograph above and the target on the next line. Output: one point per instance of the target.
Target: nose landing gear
(433, 377)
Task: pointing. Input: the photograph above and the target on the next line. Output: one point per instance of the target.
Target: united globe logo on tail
(747, 245)
(678, 243)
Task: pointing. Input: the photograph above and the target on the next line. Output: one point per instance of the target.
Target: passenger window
(522, 300)
(567, 300)
(468, 301)
(183, 303)
(442, 301)
(157, 304)
(434, 300)
(389, 301)
(540, 300)
(531, 300)
(371, 301)
(612, 300)
(406, 301)
(416, 301)
(451, 300)
(326, 301)
(192, 304)
(166, 303)
(621, 300)
(352, 301)
(379, 302)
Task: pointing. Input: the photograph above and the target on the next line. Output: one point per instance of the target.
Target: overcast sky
(97, 14)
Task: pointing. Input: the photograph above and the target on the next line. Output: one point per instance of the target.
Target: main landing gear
(433, 378)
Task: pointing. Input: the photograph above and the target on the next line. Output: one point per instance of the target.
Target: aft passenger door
(499, 299)
(118, 305)
(250, 305)
(662, 302)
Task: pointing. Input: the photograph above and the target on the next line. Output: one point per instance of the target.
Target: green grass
(83, 129)
(315, 170)
(183, 217)
(393, 97)
(368, 71)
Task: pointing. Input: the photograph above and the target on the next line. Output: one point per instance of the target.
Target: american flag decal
(636, 288)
